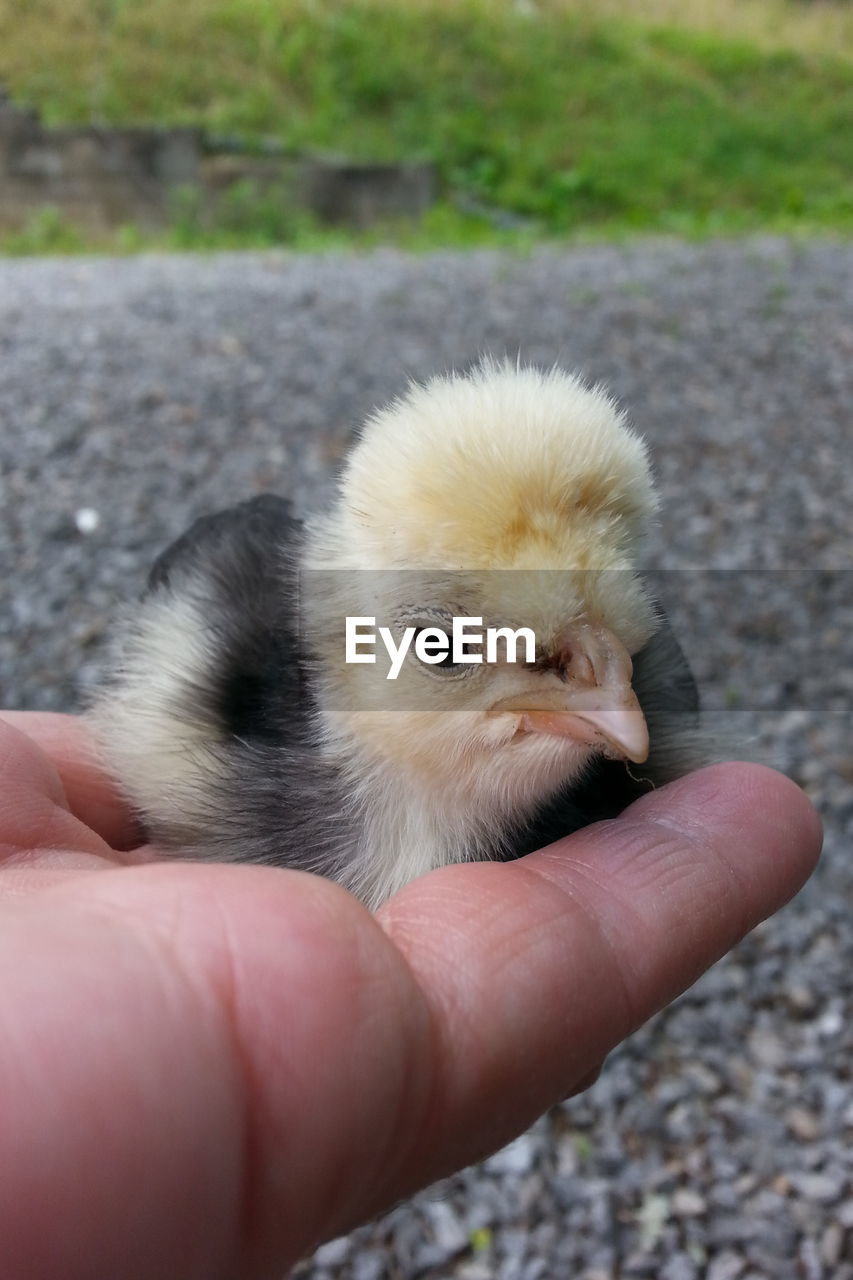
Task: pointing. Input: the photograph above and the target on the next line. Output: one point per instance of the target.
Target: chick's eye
(436, 644)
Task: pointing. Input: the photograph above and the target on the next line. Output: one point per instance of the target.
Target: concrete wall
(97, 177)
(100, 178)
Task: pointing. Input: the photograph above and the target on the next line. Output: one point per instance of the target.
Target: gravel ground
(137, 394)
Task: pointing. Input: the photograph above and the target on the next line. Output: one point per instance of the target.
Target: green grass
(576, 124)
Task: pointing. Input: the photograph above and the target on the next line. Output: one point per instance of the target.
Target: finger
(586, 1082)
(535, 970)
(35, 820)
(91, 795)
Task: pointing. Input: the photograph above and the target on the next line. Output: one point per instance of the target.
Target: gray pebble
(822, 1188)
(369, 1264)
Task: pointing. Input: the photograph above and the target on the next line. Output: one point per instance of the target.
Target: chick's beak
(595, 703)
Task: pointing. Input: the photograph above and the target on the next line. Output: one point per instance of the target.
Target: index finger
(92, 795)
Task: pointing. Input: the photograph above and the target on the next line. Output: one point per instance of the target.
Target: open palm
(208, 1069)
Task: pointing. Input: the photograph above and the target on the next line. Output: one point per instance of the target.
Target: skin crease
(213, 1068)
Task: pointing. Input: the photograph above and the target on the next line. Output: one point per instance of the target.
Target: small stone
(766, 1203)
(687, 1203)
(368, 1264)
(536, 1269)
(568, 1162)
(819, 1188)
(680, 1266)
(723, 1196)
(230, 345)
(427, 1256)
(844, 1214)
(447, 1229)
(767, 1048)
(641, 1264)
(810, 1264)
(651, 1218)
(517, 1158)
(473, 1271)
(733, 1229)
(830, 1023)
(801, 1000)
(87, 520)
(802, 1123)
(832, 1244)
(511, 1245)
(705, 1080)
(726, 1266)
(334, 1253)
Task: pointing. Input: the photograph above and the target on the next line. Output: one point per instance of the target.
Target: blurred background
(505, 119)
(657, 195)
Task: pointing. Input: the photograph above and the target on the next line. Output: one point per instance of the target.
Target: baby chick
(238, 730)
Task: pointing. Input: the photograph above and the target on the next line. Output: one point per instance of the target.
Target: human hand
(208, 1069)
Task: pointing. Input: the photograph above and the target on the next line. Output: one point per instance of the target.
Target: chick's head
(518, 498)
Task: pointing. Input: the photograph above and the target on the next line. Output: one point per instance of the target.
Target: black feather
(276, 800)
(247, 558)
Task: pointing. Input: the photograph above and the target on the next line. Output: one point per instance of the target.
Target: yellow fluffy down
(502, 468)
